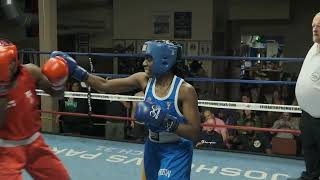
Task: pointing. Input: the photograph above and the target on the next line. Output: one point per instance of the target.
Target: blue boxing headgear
(164, 56)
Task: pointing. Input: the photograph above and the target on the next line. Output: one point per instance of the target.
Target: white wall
(133, 18)
(259, 9)
(95, 21)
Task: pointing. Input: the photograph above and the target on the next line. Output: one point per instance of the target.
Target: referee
(308, 96)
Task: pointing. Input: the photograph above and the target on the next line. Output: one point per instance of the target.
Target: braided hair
(180, 69)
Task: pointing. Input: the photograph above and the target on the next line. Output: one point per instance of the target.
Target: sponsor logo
(164, 172)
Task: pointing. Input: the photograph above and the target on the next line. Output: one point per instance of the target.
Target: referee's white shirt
(308, 83)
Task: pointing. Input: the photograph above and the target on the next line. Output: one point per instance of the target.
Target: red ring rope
(87, 115)
(296, 132)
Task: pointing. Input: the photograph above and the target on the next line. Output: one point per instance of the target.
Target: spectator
(216, 121)
(273, 116)
(246, 97)
(212, 120)
(229, 117)
(72, 124)
(252, 141)
(209, 138)
(276, 98)
(285, 123)
(249, 115)
(257, 95)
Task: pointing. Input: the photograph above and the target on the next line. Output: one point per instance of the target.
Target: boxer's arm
(189, 102)
(135, 81)
(43, 82)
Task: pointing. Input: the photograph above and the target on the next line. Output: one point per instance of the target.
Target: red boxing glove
(56, 70)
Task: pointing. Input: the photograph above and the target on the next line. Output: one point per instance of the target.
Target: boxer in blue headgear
(163, 54)
(169, 110)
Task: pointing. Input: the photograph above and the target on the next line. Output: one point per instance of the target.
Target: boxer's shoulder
(186, 90)
(142, 78)
(33, 69)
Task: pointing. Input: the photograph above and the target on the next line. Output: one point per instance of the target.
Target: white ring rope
(202, 103)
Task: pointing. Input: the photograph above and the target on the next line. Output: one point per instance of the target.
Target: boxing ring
(102, 159)
(95, 159)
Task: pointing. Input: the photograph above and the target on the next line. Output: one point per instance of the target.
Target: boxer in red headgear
(21, 144)
(8, 64)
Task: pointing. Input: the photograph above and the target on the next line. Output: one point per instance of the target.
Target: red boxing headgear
(8, 53)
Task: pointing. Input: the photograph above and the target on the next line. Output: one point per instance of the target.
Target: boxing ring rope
(88, 115)
(202, 79)
(296, 132)
(203, 103)
(203, 58)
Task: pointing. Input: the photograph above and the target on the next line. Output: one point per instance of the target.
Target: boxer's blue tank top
(170, 101)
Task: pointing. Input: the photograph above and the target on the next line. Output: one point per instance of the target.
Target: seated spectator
(258, 96)
(246, 97)
(285, 123)
(246, 115)
(74, 124)
(216, 121)
(229, 117)
(252, 141)
(249, 115)
(271, 115)
(215, 137)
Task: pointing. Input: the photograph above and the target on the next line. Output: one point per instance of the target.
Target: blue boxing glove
(155, 117)
(75, 70)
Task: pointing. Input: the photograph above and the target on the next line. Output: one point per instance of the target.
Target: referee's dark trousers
(310, 136)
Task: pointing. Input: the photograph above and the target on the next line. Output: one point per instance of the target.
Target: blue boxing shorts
(168, 161)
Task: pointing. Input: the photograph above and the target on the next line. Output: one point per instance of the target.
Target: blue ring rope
(204, 58)
(201, 79)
